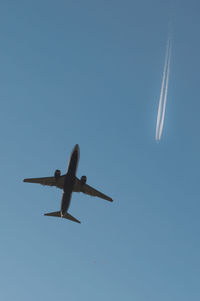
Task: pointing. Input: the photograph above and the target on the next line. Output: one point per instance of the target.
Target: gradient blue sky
(89, 72)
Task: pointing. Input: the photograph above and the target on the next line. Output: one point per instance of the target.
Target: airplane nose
(76, 147)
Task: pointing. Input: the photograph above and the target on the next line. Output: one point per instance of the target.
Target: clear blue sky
(89, 72)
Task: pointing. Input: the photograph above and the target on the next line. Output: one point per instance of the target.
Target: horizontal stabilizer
(71, 218)
(67, 216)
(56, 214)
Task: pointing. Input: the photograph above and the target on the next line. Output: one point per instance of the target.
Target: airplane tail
(67, 216)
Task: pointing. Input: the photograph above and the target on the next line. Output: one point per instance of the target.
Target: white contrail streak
(165, 95)
(163, 92)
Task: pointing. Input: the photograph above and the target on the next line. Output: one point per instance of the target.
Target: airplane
(69, 183)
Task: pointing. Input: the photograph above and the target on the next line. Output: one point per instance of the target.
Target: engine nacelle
(83, 180)
(57, 174)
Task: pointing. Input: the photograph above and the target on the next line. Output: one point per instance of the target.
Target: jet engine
(83, 180)
(57, 174)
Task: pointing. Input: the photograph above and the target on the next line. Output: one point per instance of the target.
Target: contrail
(163, 92)
(165, 95)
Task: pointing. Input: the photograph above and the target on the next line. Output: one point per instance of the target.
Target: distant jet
(69, 183)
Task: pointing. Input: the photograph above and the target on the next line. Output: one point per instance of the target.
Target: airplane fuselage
(69, 180)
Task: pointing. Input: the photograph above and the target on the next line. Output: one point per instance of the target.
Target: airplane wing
(79, 187)
(49, 181)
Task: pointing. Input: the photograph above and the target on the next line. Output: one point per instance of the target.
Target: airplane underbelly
(67, 192)
(65, 202)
